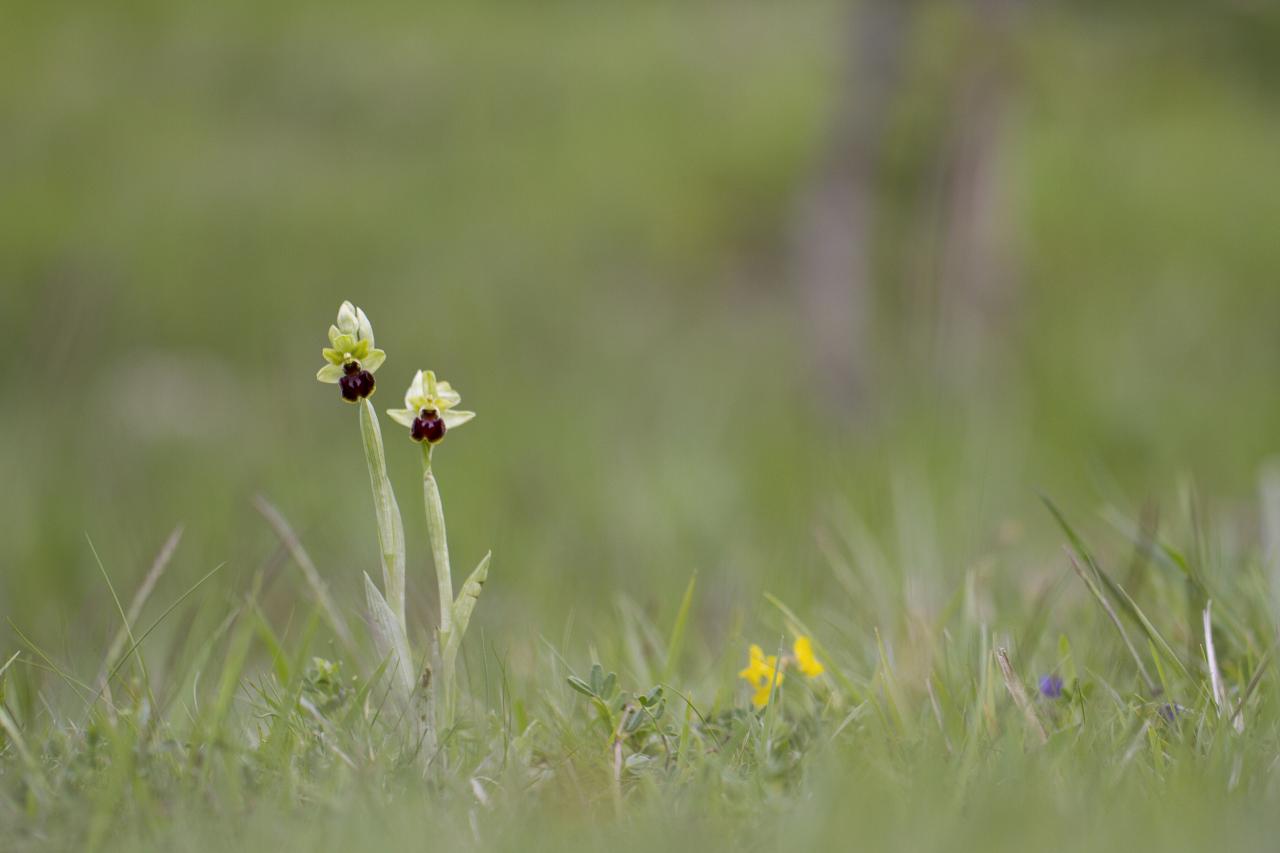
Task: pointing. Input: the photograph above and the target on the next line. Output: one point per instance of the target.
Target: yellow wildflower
(805, 660)
(762, 672)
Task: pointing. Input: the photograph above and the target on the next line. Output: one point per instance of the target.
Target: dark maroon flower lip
(356, 383)
(428, 426)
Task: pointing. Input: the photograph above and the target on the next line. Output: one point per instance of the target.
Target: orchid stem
(444, 577)
(390, 526)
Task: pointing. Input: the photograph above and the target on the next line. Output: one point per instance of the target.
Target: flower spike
(351, 357)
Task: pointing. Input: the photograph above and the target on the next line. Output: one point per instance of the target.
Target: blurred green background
(717, 277)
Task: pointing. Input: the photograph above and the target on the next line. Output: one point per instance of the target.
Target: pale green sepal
(455, 418)
(404, 417)
(446, 395)
(363, 326)
(330, 373)
(416, 391)
(373, 360)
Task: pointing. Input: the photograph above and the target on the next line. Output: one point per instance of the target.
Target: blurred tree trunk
(975, 278)
(834, 219)
(969, 275)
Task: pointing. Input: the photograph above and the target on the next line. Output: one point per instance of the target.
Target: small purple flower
(1170, 711)
(1051, 687)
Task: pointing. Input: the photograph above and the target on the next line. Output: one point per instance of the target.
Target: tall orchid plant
(430, 413)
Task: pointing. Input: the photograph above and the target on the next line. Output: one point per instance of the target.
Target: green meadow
(1017, 494)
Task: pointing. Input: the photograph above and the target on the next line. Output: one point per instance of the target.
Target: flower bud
(348, 321)
(351, 358)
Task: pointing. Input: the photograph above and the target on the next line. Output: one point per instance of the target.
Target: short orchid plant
(430, 413)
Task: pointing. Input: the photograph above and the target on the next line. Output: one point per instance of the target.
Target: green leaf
(390, 640)
(676, 643)
(464, 606)
(606, 716)
(579, 685)
(597, 679)
(633, 721)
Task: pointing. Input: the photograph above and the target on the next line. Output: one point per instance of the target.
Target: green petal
(446, 394)
(347, 320)
(330, 373)
(404, 417)
(415, 391)
(332, 356)
(365, 329)
(454, 418)
(373, 360)
(334, 334)
(344, 343)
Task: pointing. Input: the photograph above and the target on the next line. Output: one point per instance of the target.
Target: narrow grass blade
(228, 681)
(1125, 600)
(1014, 685)
(124, 620)
(676, 643)
(892, 693)
(1215, 674)
(1148, 627)
(319, 588)
(5, 667)
(1254, 681)
(157, 570)
(937, 713)
(832, 667)
(134, 646)
(35, 774)
(278, 740)
(1101, 598)
(84, 691)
